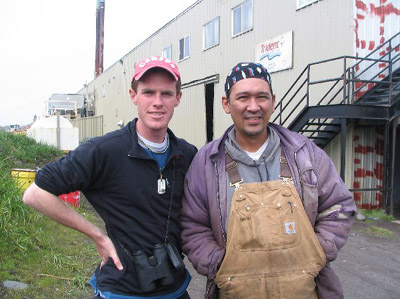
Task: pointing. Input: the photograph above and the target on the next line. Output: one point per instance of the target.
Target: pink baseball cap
(156, 61)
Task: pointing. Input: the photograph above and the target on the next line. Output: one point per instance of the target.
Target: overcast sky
(48, 46)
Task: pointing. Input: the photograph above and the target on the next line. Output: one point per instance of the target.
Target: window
(184, 47)
(242, 18)
(302, 3)
(167, 52)
(211, 33)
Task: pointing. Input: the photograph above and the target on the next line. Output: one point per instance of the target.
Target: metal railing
(357, 77)
(361, 81)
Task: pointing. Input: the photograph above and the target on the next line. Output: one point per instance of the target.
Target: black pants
(185, 296)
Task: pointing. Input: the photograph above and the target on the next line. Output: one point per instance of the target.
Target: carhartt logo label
(290, 227)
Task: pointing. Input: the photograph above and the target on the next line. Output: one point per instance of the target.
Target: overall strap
(235, 179)
(231, 168)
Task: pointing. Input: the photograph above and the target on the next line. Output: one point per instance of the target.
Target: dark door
(396, 187)
(209, 93)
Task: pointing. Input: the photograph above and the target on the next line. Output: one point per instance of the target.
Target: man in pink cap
(133, 177)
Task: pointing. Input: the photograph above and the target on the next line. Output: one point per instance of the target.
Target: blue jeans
(184, 296)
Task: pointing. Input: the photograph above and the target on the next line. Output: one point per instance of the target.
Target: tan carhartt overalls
(272, 250)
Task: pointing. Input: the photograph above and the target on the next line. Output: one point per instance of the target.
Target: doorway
(396, 185)
(209, 95)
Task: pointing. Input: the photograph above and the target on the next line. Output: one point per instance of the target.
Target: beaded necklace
(152, 150)
(161, 182)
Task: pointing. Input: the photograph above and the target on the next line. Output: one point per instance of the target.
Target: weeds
(380, 231)
(22, 151)
(55, 261)
(377, 214)
(16, 218)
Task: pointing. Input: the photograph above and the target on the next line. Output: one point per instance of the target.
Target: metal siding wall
(376, 22)
(333, 150)
(368, 165)
(189, 121)
(322, 30)
(89, 127)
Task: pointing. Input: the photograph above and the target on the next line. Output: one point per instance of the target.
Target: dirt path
(369, 265)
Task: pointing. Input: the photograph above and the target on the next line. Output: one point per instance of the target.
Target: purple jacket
(328, 203)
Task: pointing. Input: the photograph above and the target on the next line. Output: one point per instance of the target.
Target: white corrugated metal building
(211, 36)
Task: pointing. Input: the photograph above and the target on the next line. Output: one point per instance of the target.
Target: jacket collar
(137, 151)
(292, 141)
(217, 147)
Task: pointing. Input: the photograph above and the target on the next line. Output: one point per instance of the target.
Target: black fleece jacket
(119, 179)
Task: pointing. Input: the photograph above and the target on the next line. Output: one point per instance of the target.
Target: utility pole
(100, 7)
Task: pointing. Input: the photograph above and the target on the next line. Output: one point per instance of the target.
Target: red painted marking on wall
(368, 206)
(356, 138)
(370, 85)
(359, 85)
(384, 10)
(378, 198)
(363, 149)
(382, 76)
(360, 17)
(369, 173)
(397, 49)
(382, 65)
(382, 40)
(356, 185)
(371, 45)
(357, 161)
(378, 171)
(382, 53)
(363, 44)
(361, 5)
(382, 30)
(361, 93)
(361, 173)
(357, 196)
(356, 33)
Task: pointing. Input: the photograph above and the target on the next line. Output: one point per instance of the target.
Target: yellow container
(24, 177)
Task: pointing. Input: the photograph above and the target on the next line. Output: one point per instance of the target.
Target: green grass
(60, 262)
(379, 231)
(55, 261)
(18, 151)
(379, 214)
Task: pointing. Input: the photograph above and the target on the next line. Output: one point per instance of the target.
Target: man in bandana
(265, 210)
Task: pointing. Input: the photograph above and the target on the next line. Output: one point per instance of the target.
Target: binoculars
(156, 269)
